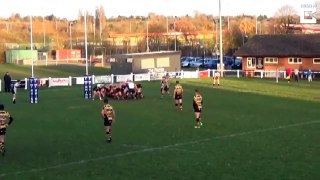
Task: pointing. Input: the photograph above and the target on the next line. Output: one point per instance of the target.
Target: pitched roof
(288, 45)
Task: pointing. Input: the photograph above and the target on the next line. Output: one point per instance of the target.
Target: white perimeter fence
(110, 79)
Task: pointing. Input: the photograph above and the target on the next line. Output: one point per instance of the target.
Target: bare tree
(286, 16)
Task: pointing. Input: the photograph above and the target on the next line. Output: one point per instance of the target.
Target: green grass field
(253, 129)
(20, 72)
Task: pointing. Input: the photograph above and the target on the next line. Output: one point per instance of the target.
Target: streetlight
(244, 36)
(216, 31)
(44, 32)
(221, 54)
(167, 23)
(70, 31)
(86, 40)
(148, 50)
(175, 34)
(31, 46)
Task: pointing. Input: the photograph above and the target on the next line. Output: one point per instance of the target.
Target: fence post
(70, 81)
(149, 74)
(131, 77)
(49, 81)
(112, 78)
(261, 74)
(182, 74)
(238, 74)
(25, 83)
(277, 76)
(93, 79)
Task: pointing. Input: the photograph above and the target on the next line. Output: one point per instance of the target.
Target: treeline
(56, 32)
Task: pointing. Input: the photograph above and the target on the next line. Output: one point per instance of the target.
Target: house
(157, 61)
(272, 52)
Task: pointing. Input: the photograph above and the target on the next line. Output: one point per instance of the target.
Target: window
(147, 63)
(294, 60)
(251, 62)
(271, 60)
(316, 60)
(163, 62)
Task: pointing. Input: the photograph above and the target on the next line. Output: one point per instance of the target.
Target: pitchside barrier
(109, 79)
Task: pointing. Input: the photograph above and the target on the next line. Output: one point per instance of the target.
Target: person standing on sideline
(177, 95)
(197, 107)
(109, 115)
(216, 78)
(288, 74)
(5, 121)
(296, 75)
(14, 91)
(7, 82)
(309, 75)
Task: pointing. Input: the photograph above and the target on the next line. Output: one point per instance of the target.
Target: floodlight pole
(175, 34)
(221, 53)
(86, 40)
(148, 50)
(31, 46)
(70, 35)
(44, 31)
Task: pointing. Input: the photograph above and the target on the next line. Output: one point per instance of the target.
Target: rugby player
(109, 115)
(5, 121)
(177, 95)
(164, 89)
(14, 91)
(197, 107)
(216, 78)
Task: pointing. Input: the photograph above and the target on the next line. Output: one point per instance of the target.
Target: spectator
(288, 74)
(296, 75)
(309, 75)
(7, 82)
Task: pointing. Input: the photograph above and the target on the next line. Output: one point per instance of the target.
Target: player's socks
(2, 148)
(108, 134)
(198, 123)
(109, 139)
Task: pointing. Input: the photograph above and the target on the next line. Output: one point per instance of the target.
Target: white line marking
(135, 145)
(151, 149)
(183, 150)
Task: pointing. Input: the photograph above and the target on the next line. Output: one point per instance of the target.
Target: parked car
(199, 62)
(186, 62)
(237, 64)
(211, 64)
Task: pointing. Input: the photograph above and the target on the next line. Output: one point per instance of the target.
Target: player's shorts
(132, 91)
(13, 91)
(166, 88)
(177, 96)
(197, 109)
(3, 131)
(107, 122)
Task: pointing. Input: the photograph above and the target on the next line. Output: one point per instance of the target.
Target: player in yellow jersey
(216, 78)
(5, 121)
(177, 95)
(197, 107)
(109, 115)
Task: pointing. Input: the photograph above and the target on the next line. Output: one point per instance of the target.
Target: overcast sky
(69, 8)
